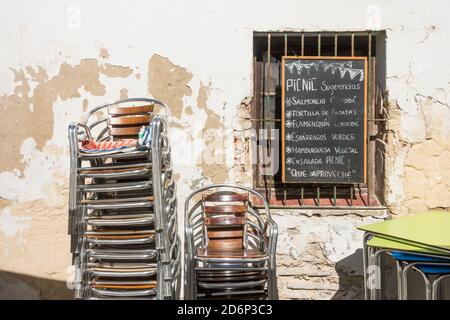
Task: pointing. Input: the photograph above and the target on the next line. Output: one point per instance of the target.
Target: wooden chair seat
(118, 237)
(220, 221)
(236, 278)
(227, 272)
(124, 286)
(116, 110)
(119, 234)
(116, 200)
(107, 170)
(224, 233)
(111, 269)
(234, 209)
(230, 275)
(125, 131)
(211, 253)
(226, 197)
(225, 219)
(127, 121)
(130, 120)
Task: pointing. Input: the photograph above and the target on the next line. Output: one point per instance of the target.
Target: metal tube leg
(186, 287)
(377, 268)
(428, 291)
(270, 285)
(373, 274)
(365, 254)
(405, 283)
(399, 280)
(365, 264)
(273, 276)
(434, 289)
(369, 273)
(428, 283)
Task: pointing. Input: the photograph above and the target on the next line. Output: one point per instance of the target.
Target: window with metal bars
(268, 49)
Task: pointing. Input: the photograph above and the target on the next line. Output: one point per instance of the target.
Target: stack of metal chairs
(122, 204)
(230, 245)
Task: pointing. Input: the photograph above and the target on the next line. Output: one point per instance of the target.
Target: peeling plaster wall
(59, 59)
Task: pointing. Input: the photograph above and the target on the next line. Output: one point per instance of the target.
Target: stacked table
(418, 242)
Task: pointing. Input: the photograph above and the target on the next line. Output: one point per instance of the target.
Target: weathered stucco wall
(59, 59)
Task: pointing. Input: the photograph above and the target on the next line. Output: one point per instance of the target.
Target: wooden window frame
(268, 48)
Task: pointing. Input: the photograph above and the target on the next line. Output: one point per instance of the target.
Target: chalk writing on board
(342, 67)
(324, 120)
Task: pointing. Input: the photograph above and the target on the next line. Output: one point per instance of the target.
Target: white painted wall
(213, 41)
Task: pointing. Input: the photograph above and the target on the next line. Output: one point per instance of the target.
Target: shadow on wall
(351, 280)
(25, 287)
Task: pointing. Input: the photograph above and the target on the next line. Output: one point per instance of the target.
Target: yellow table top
(430, 229)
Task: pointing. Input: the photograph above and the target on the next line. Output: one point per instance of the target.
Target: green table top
(429, 229)
(391, 244)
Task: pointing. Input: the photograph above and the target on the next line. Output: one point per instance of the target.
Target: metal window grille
(268, 48)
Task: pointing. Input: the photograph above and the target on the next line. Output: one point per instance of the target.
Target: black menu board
(324, 119)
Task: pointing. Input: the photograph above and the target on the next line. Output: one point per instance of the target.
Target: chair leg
(428, 285)
(269, 285)
(435, 286)
(372, 259)
(434, 289)
(427, 281)
(365, 265)
(442, 291)
(272, 285)
(188, 279)
(428, 290)
(369, 273)
(405, 283)
(275, 286)
(378, 275)
(399, 280)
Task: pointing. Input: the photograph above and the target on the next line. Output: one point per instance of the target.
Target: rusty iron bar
(302, 193)
(318, 196)
(335, 44)
(353, 44)
(334, 195)
(369, 127)
(319, 43)
(303, 44)
(351, 195)
(285, 44)
(269, 196)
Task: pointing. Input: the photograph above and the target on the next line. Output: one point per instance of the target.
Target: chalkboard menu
(324, 119)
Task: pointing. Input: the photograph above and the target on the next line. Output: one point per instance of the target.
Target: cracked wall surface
(419, 145)
(52, 73)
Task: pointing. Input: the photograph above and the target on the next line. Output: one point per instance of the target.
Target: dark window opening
(268, 49)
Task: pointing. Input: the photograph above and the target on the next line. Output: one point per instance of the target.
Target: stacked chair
(122, 205)
(230, 245)
(418, 242)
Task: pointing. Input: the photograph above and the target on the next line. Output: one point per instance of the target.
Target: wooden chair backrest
(225, 219)
(125, 122)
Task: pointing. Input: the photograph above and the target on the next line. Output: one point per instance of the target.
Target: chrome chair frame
(157, 168)
(192, 242)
